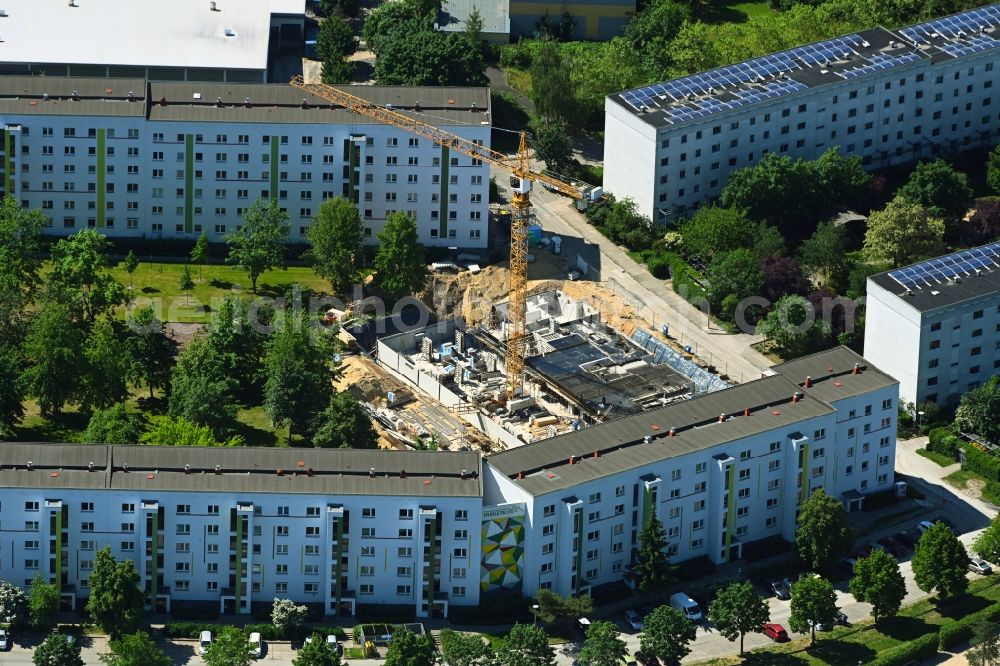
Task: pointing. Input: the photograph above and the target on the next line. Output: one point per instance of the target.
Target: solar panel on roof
(942, 269)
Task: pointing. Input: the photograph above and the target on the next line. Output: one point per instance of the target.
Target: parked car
(331, 640)
(256, 644)
(686, 605)
(775, 632)
(633, 619)
(904, 538)
(781, 589)
(980, 566)
(893, 546)
(841, 618)
(846, 565)
(204, 642)
(864, 551)
(4, 641)
(821, 626)
(923, 526)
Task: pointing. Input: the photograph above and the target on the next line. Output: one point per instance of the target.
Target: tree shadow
(147, 405)
(61, 427)
(961, 606)
(216, 283)
(719, 11)
(150, 290)
(835, 651)
(254, 436)
(766, 658)
(902, 628)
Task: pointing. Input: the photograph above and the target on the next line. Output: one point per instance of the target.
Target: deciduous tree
(286, 614)
(985, 222)
(877, 581)
(551, 144)
(940, 189)
(317, 652)
(652, 569)
(987, 544)
(814, 603)
(229, 648)
(11, 390)
(298, 372)
(902, 233)
(259, 244)
(200, 392)
(733, 274)
(782, 276)
(400, 261)
(408, 649)
(43, 603)
(199, 253)
(80, 278)
(823, 535)
(167, 431)
(737, 611)
(939, 562)
(795, 326)
(412, 56)
(993, 170)
(238, 336)
(106, 366)
(115, 602)
(55, 367)
(714, 230)
(344, 424)
(13, 604)
(152, 353)
(458, 649)
(979, 410)
(334, 44)
(602, 646)
(551, 89)
(555, 608)
(336, 236)
(985, 641)
(526, 645)
(135, 649)
(131, 263)
(824, 251)
(20, 263)
(55, 650)
(186, 282)
(114, 425)
(667, 635)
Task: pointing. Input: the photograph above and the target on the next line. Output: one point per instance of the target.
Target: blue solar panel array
(935, 272)
(774, 75)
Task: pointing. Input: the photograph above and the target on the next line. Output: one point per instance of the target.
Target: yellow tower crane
(520, 182)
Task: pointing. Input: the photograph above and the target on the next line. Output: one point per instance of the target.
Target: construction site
(588, 360)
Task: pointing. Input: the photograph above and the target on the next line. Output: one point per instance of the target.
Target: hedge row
(686, 280)
(944, 441)
(956, 632)
(268, 632)
(981, 463)
(909, 652)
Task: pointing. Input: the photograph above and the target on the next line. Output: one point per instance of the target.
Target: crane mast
(521, 181)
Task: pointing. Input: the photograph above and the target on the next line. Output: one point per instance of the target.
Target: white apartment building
(437, 530)
(935, 325)
(325, 527)
(181, 40)
(172, 160)
(887, 96)
(719, 470)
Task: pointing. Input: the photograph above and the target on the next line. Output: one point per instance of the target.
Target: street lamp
(534, 613)
(919, 415)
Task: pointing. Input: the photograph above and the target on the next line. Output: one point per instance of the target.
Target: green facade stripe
(188, 183)
(274, 168)
(731, 511)
(647, 506)
(805, 471)
(578, 536)
(445, 166)
(101, 176)
(154, 564)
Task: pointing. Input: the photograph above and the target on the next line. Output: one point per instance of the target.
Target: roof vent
(76, 96)
(72, 3)
(45, 96)
(218, 469)
(865, 43)
(671, 432)
(305, 103)
(246, 102)
(416, 106)
(647, 439)
(809, 381)
(131, 95)
(3, 13)
(572, 460)
(90, 466)
(163, 101)
(125, 468)
(371, 473)
(892, 43)
(746, 411)
(187, 469)
(309, 471)
(218, 102)
(279, 472)
(31, 465)
(402, 474)
(857, 369)
(212, 7)
(230, 32)
(722, 418)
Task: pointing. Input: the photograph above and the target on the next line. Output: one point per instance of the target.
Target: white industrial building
(172, 160)
(886, 96)
(935, 325)
(431, 530)
(181, 40)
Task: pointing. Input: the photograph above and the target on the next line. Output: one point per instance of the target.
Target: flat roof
(179, 33)
(228, 102)
(856, 55)
(947, 280)
(835, 374)
(494, 13)
(622, 443)
(242, 470)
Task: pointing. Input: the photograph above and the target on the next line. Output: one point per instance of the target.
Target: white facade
(939, 341)
(925, 103)
(585, 534)
(175, 169)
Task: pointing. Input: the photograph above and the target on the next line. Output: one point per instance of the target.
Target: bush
(944, 441)
(910, 652)
(659, 266)
(956, 632)
(980, 462)
(686, 280)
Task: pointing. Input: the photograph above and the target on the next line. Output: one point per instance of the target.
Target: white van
(686, 605)
(204, 642)
(256, 645)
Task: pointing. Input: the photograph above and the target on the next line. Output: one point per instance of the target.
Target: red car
(775, 632)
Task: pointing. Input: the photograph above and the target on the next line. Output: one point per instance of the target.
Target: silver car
(980, 566)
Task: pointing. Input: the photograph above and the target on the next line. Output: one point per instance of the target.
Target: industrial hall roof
(232, 102)
(242, 470)
(844, 58)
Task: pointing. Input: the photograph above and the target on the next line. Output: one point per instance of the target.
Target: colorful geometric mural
(503, 547)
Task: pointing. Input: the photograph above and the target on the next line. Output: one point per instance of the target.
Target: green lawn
(961, 478)
(354, 653)
(934, 456)
(717, 12)
(159, 284)
(861, 642)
